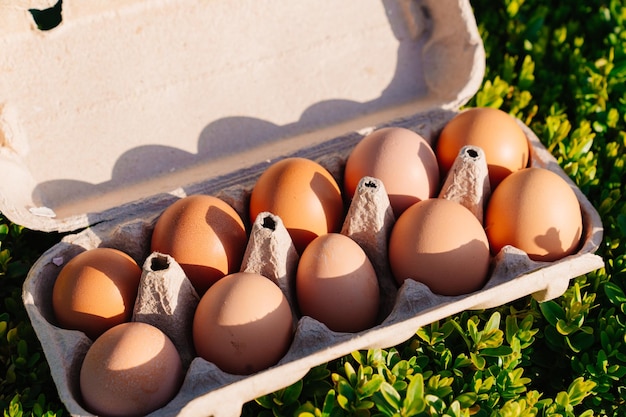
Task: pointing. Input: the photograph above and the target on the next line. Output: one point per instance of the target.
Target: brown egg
(204, 235)
(495, 132)
(401, 159)
(95, 291)
(303, 194)
(243, 324)
(131, 370)
(336, 284)
(536, 211)
(441, 244)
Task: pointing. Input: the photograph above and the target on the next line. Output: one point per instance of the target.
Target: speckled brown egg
(536, 211)
(441, 244)
(303, 194)
(130, 370)
(205, 235)
(243, 324)
(336, 284)
(402, 159)
(95, 291)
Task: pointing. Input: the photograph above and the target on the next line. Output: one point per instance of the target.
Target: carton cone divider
(167, 300)
(467, 182)
(369, 222)
(270, 252)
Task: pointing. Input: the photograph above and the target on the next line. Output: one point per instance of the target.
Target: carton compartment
(209, 391)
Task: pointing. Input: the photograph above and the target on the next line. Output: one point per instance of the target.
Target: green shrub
(25, 382)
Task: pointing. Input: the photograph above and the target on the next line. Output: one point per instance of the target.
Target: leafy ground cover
(561, 68)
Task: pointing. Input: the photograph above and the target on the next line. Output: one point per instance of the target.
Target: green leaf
(436, 403)
(3, 328)
(401, 369)
(497, 352)
(12, 306)
(265, 401)
(22, 348)
(371, 386)
(345, 390)
(37, 409)
(292, 393)
(10, 376)
(562, 399)
(15, 407)
(454, 410)
(578, 390)
(552, 312)
(526, 76)
(359, 356)
(12, 336)
(350, 374)
(494, 323)
(363, 407)
(566, 328)
(343, 402)
(619, 70)
(614, 293)
(329, 402)
(414, 400)
(473, 332)
(511, 328)
(467, 399)
(4, 231)
(492, 93)
(478, 361)
(390, 395)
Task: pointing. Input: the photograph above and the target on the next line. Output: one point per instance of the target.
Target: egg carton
(128, 106)
(209, 391)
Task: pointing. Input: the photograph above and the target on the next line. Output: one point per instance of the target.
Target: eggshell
(243, 324)
(495, 132)
(536, 211)
(402, 159)
(336, 284)
(131, 370)
(441, 244)
(205, 235)
(95, 291)
(303, 194)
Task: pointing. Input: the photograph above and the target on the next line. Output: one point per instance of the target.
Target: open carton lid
(130, 99)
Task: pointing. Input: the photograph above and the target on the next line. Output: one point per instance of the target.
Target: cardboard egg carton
(207, 389)
(131, 104)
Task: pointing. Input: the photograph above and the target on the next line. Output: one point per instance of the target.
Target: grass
(561, 68)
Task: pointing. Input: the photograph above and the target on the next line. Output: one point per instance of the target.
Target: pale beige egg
(243, 324)
(336, 284)
(536, 211)
(441, 244)
(130, 370)
(402, 159)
